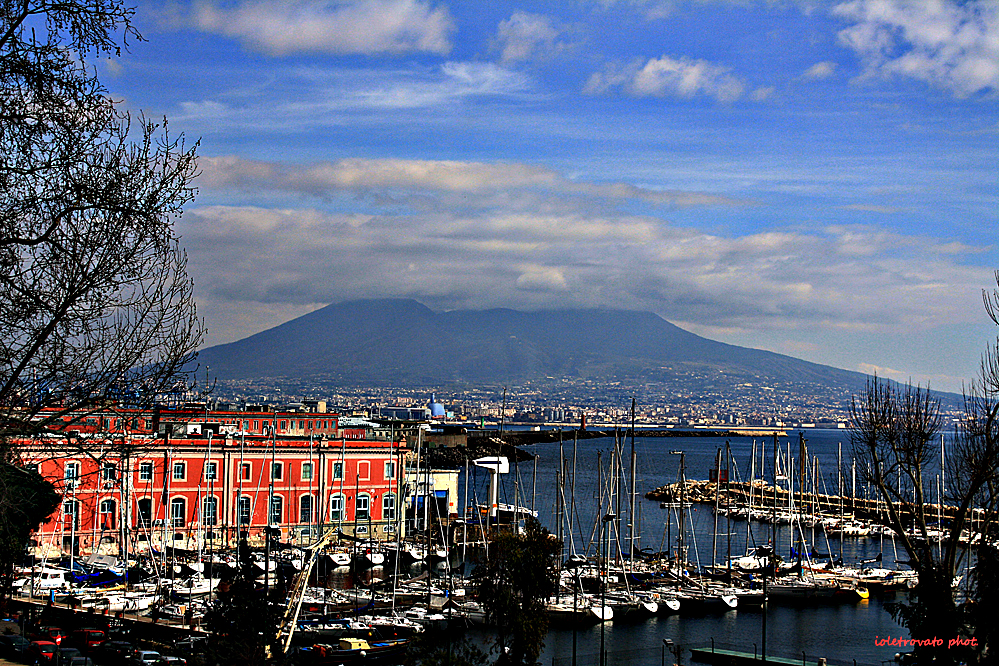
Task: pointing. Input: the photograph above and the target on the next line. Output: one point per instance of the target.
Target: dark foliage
(431, 650)
(26, 499)
(243, 624)
(514, 586)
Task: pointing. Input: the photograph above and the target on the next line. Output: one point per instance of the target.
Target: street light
(675, 650)
(767, 552)
(604, 548)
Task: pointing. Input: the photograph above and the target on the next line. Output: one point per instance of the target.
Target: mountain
(400, 341)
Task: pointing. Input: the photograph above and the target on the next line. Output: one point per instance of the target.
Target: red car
(48, 633)
(87, 639)
(42, 652)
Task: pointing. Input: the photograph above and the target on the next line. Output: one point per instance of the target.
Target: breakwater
(764, 497)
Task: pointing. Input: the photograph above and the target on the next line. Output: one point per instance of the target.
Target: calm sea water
(841, 633)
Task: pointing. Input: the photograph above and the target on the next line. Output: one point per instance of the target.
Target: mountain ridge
(399, 341)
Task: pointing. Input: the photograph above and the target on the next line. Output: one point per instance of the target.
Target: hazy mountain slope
(399, 341)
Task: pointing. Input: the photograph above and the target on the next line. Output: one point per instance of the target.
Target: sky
(819, 179)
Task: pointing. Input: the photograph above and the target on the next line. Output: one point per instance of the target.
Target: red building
(195, 478)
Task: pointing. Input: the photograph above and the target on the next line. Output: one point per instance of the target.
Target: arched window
(145, 511)
(210, 511)
(305, 509)
(244, 510)
(388, 506)
(107, 511)
(178, 511)
(336, 508)
(277, 510)
(362, 507)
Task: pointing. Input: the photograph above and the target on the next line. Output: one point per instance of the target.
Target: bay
(842, 634)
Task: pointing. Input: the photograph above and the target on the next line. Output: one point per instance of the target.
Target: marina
(830, 603)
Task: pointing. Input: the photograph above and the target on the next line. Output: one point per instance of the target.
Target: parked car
(191, 645)
(79, 661)
(146, 658)
(14, 647)
(170, 660)
(87, 640)
(47, 632)
(114, 653)
(64, 653)
(41, 652)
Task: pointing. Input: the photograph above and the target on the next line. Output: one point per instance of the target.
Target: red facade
(192, 480)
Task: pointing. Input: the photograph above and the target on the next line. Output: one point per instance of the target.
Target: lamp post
(767, 552)
(603, 582)
(675, 650)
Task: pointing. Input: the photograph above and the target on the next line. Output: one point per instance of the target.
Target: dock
(709, 655)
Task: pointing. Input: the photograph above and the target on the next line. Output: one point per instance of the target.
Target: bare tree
(95, 302)
(894, 432)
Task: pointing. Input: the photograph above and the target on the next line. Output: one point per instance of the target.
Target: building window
(309, 424)
(284, 426)
(72, 473)
(145, 471)
(244, 510)
(361, 507)
(336, 508)
(211, 471)
(364, 470)
(301, 425)
(178, 511)
(109, 471)
(256, 425)
(305, 509)
(276, 471)
(337, 471)
(389, 469)
(107, 511)
(71, 514)
(145, 511)
(210, 512)
(306, 471)
(388, 507)
(277, 509)
(244, 471)
(179, 471)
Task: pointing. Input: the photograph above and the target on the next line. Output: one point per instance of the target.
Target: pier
(765, 497)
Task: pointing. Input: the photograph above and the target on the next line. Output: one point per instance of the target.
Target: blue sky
(815, 178)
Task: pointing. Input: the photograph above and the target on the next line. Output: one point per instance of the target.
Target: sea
(842, 634)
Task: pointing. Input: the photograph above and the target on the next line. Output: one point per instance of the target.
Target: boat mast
(631, 513)
(714, 536)
(728, 507)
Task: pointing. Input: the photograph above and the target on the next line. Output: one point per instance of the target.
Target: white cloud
(821, 70)
(524, 36)
(346, 27)
(489, 181)
(954, 46)
(682, 77)
(465, 234)
(484, 78)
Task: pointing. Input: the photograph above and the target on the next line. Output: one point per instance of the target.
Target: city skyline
(812, 178)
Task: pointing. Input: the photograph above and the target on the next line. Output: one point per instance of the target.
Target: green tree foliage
(514, 586)
(428, 649)
(242, 623)
(26, 499)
